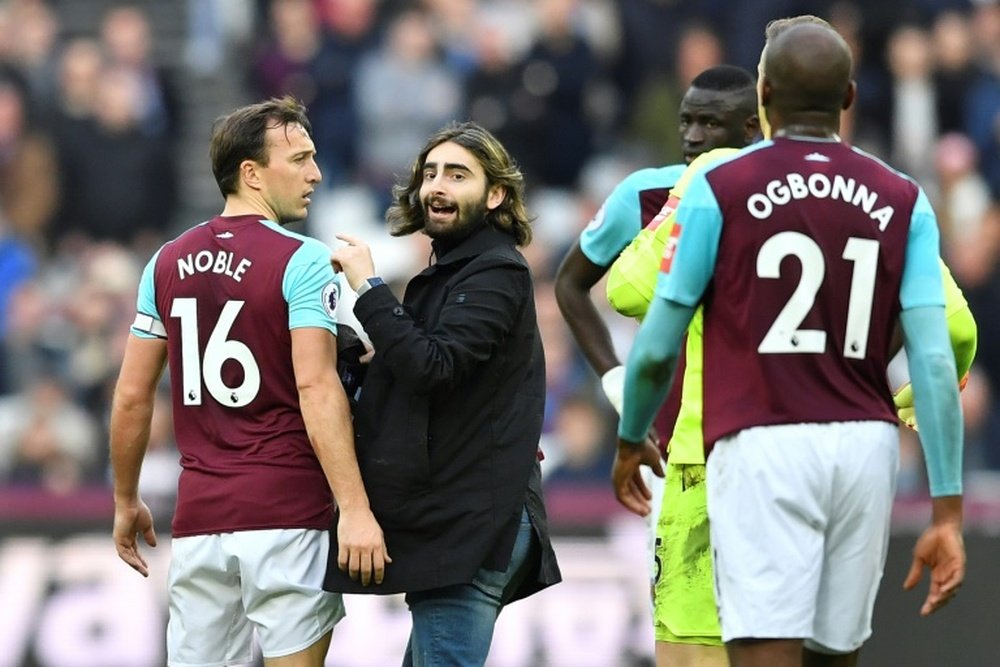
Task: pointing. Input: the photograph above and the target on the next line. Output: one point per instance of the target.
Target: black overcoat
(449, 417)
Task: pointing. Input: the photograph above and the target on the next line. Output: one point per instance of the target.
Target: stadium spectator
(914, 118)
(261, 419)
(317, 65)
(450, 461)
(80, 65)
(493, 94)
(578, 449)
(27, 202)
(18, 264)
(127, 38)
(46, 440)
(406, 66)
(558, 74)
(977, 267)
(963, 195)
(955, 70)
(982, 111)
(120, 182)
(35, 37)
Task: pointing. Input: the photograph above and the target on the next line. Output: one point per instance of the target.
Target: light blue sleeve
(145, 303)
(619, 219)
(935, 396)
(650, 366)
(693, 261)
(311, 288)
(922, 284)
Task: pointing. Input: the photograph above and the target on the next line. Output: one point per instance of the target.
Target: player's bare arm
(131, 414)
(325, 410)
(576, 276)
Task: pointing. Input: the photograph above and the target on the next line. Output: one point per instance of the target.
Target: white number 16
(217, 351)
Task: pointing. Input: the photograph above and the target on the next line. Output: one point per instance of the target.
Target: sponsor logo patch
(670, 249)
(669, 207)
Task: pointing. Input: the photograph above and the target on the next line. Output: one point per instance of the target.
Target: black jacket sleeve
(478, 310)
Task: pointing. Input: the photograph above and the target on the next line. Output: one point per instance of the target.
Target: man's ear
(852, 91)
(495, 196)
(250, 174)
(765, 93)
(751, 128)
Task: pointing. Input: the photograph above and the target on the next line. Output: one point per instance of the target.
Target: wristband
(613, 384)
(374, 281)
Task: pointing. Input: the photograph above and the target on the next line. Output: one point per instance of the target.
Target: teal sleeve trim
(311, 288)
(935, 396)
(145, 302)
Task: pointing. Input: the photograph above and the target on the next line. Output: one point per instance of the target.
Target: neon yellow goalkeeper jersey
(687, 444)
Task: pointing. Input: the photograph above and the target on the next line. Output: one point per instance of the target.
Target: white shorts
(799, 522)
(223, 587)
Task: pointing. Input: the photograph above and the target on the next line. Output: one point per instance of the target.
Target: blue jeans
(453, 626)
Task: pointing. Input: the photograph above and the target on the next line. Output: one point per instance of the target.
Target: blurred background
(105, 113)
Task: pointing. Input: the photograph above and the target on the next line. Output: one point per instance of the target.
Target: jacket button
(398, 311)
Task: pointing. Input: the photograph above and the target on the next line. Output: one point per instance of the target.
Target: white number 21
(217, 351)
(785, 336)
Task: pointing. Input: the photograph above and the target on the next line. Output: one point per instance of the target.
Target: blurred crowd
(581, 91)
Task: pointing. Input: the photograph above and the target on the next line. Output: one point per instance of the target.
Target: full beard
(468, 217)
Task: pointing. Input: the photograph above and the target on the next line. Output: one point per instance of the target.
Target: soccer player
(804, 253)
(718, 109)
(243, 312)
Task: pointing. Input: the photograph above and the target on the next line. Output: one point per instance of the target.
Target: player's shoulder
(712, 157)
(702, 163)
(182, 242)
(304, 245)
(878, 163)
(649, 178)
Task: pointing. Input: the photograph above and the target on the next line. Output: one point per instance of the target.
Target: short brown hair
(240, 136)
(406, 215)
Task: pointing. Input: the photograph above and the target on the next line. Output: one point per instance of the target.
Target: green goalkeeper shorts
(684, 609)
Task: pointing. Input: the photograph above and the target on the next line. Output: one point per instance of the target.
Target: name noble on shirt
(220, 262)
(795, 186)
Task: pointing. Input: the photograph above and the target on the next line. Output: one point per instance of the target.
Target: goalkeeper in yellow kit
(684, 603)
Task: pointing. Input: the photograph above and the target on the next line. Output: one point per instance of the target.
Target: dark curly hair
(406, 215)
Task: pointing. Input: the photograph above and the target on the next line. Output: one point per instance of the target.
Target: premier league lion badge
(331, 295)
